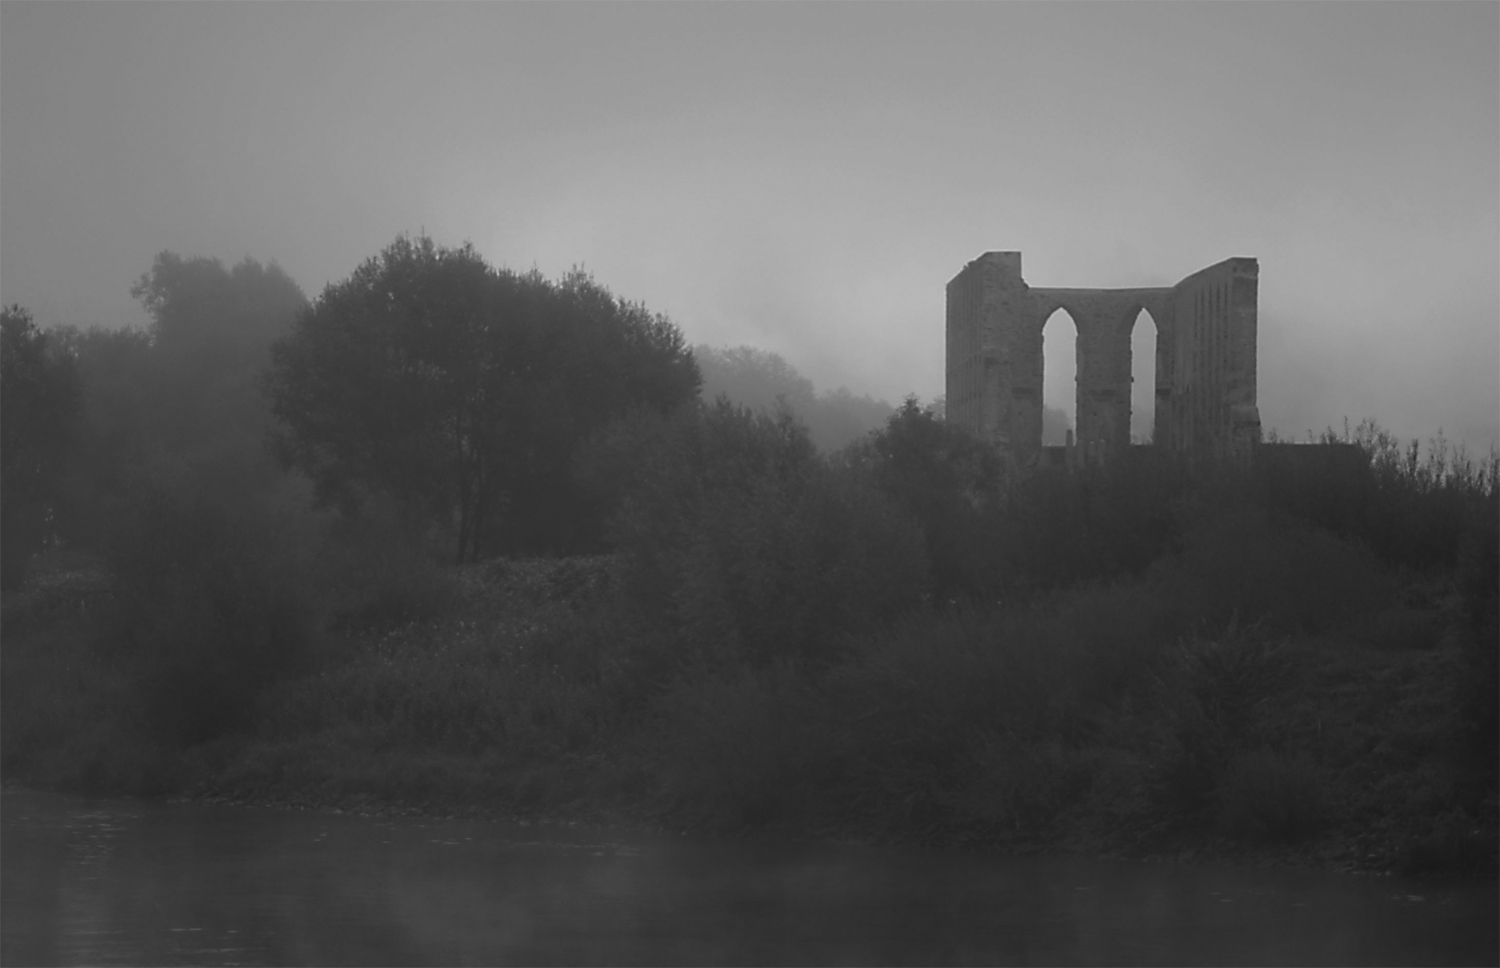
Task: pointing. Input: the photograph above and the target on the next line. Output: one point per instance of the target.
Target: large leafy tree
(39, 407)
(950, 483)
(177, 404)
(210, 335)
(462, 391)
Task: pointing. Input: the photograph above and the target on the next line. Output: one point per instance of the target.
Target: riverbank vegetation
(685, 613)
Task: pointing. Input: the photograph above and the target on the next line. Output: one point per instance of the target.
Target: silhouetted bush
(737, 539)
(1478, 581)
(209, 607)
(1266, 797)
(747, 749)
(1410, 507)
(950, 484)
(1456, 847)
(377, 572)
(1062, 526)
(1329, 484)
(973, 720)
(1024, 785)
(39, 417)
(1207, 694)
(994, 530)
(996, 720)
(70, 720)
(1241, 564)
(522, 685)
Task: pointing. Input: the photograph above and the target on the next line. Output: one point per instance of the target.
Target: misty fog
(804, 180)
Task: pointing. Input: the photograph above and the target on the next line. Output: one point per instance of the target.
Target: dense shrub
(950, 484)
(994, 530)
(742, 543)
(1266, 797)
(377, 572)
(525, 688)
(209, 607)
(1478, 580)
(975, 720)
(998, 720)
(1455, 846)
(1019, 786)
(70, 720)
(1412, 508)
(39, 416)
(748, 749)
(1063, 526)
(1242, 564)
(1207, 694)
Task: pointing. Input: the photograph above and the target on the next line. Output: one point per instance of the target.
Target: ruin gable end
(1205, 358)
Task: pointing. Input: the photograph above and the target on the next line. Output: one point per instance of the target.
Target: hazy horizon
(803, 179)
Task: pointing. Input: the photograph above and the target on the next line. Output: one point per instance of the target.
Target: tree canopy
(765, 381)
(950, 482)
(463, 391)
(39, 405)
(210, 334)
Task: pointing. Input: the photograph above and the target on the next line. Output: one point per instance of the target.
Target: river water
(107, 882)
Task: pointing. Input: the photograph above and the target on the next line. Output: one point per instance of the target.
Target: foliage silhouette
(39, 414)
(951, 484)
(462, 391)
(762, 380)
(211, 332)
(742, 543)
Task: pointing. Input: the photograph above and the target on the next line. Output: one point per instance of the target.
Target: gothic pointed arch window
(1059, 377)
(1143, 355)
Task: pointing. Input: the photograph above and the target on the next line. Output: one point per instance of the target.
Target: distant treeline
(452, 395)
(764, 381)
(455, 395)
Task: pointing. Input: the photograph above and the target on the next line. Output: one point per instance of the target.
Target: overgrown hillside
(773, 647)
(502, 557)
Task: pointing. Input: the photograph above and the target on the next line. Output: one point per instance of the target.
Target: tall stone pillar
(987, 302)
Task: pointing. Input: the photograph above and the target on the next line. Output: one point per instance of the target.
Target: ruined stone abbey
(1205, 359)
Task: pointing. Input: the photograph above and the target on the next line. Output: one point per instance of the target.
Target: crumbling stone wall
(1205, 357)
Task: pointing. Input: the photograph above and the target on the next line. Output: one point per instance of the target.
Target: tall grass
(1412, 506)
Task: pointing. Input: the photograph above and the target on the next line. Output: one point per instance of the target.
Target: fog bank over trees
(762, 380)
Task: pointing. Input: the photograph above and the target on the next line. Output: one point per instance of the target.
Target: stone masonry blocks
(1205, 358)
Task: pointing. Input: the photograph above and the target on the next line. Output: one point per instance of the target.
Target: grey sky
(804, 178)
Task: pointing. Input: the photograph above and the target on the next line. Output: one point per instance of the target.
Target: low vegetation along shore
(502, 558)
(1264, 688)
